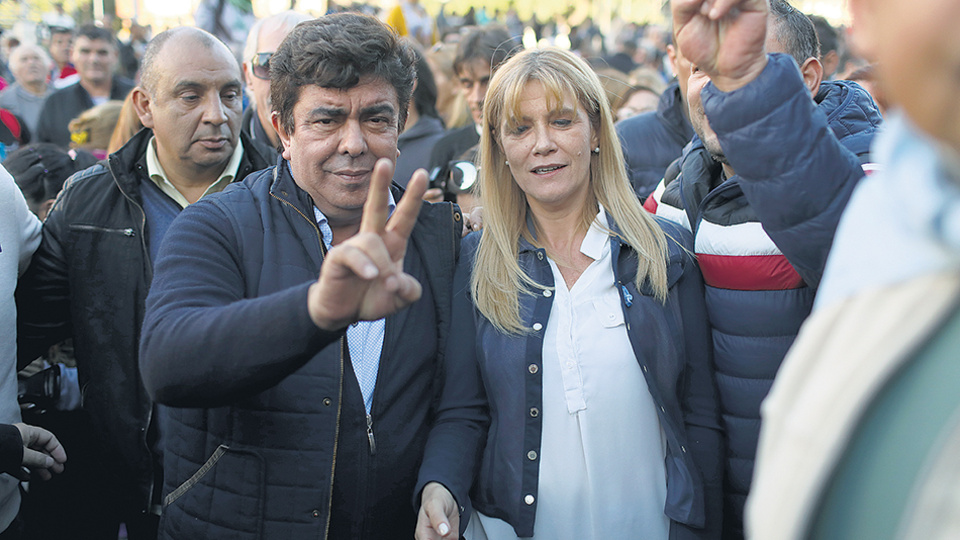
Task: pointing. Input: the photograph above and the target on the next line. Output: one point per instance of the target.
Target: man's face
(698, 119)
(267, 42)
(916, 46)
(94, 59)
(338, 136)
(474, 79)
(29, 65)
(60, 46)
(195, 109)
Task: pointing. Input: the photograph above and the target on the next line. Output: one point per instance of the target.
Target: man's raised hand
(724, 38)
(362, 278)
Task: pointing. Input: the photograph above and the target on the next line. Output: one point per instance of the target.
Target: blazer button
(532, 368)
(540, 255)
(327, 401)
(644, 368)
(537, 327)
(534, 412)
(528, 499)
(531, 455)
(315, 513)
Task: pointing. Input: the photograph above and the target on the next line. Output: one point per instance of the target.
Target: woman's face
(549, 150)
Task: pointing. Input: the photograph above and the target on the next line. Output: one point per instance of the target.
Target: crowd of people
(401, 274)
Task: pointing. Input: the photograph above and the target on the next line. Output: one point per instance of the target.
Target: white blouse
(602, 455)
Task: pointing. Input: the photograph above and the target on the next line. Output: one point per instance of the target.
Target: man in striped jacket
(761, 187)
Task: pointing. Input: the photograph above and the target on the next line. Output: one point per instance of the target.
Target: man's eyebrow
(380, 108)
(187, 85)
(194, 85)
(327, 111)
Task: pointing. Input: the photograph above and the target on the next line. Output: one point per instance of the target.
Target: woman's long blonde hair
(497, 277)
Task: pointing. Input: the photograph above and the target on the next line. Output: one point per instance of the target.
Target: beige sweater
(841, 359)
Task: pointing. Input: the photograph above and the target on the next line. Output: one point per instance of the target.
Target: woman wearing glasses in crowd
(579, 399)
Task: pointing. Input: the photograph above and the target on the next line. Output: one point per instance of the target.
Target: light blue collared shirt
(364, 338)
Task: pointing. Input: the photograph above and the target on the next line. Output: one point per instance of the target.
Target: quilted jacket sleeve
(794, 172)
(458, 436)
(203, 344)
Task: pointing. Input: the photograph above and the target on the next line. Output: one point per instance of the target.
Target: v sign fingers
(405, 216)
(375, 209)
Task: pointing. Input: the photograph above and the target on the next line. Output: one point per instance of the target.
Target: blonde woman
(578, 397)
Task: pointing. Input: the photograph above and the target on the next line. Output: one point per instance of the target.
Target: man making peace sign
(299, 405)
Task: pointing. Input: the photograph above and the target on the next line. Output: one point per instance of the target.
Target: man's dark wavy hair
(335, 51)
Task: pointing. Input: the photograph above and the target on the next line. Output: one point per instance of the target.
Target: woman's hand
(439, 516)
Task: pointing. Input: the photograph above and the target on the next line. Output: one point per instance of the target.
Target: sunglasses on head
(261, 65)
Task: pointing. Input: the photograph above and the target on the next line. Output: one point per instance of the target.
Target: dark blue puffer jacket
(652, 140)
(762, 236)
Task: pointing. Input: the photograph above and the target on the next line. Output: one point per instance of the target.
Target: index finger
(375, 210)
(405, 216)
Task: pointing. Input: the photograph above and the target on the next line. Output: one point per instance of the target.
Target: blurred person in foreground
(299, 391)
(861, 432)
(90, 277)
(49, 388)
(20, 444)
(578, 385)
(262, 42)
(30, 65)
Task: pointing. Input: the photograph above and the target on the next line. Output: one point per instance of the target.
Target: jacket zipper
(336, 437)
(148, 267)
(126, 232)
(370, 437)
(343, 346)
